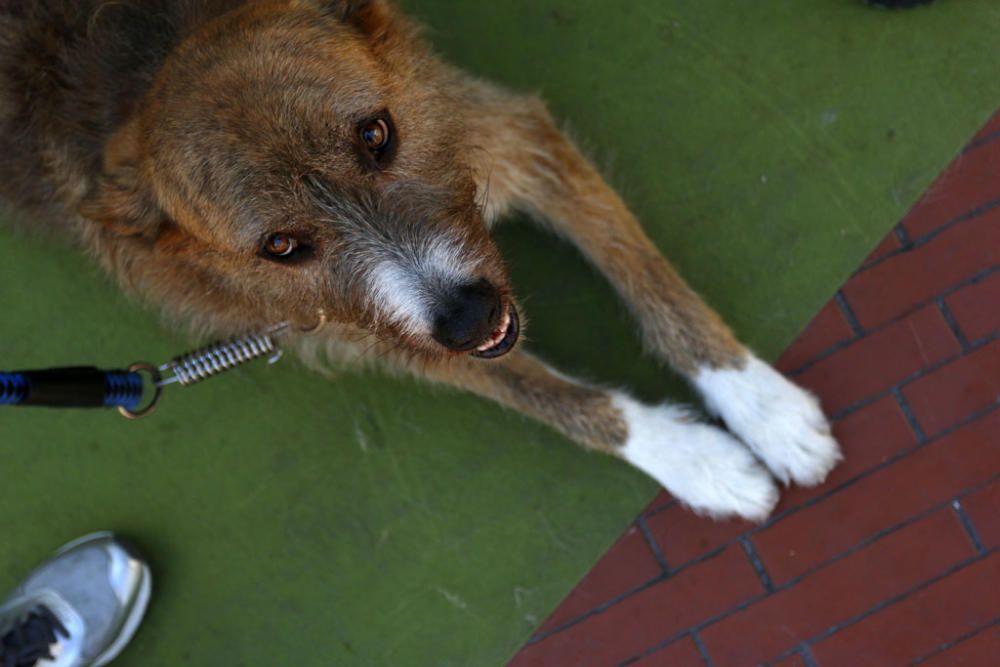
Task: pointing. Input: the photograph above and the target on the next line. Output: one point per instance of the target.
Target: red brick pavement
(895, 560)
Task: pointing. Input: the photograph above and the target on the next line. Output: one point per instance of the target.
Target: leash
(89, 387)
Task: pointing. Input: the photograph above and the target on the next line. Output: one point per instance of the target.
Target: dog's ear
(370, 17)
(120, 204)
(345, 10)
(120, 201)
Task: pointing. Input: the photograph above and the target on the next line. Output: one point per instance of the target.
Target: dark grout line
(885, 532)
(949, 318)
(825, 354)
(758, 565)
(889, 602)
(849, 314)
(702, 649)
(903, 236)
(652, 544)
(849, 410)
(701, 626)
(907, 411)
(913, 377)
(881, 535)
(604, 606)
(959, 640)
(667, 504)
(982, 141)
(967, 524)
(837, 347)
(695, 637)
(805, 652)
(931, 235)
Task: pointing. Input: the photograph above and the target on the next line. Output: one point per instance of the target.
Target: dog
(241, 163)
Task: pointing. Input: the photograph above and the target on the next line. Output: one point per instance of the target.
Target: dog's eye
(281, 244)
(376, 135)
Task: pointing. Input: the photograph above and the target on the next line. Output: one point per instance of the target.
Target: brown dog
(247, 162)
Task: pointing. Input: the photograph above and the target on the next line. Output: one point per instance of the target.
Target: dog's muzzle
(472, 318)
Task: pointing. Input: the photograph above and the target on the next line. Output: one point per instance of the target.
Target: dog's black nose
(467, 316)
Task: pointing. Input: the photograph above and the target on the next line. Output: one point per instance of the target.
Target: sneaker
(79, 609)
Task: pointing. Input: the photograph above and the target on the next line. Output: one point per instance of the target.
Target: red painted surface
(896, 558)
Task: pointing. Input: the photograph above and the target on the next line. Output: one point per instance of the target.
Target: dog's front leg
(529, 165)
(701, 465)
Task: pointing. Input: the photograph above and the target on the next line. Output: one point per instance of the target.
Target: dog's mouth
(502, 340)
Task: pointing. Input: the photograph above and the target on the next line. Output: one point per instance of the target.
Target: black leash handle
(76, 387)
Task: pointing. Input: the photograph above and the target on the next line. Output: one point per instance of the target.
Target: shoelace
(30, 639)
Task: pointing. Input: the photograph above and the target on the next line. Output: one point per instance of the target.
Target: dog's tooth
(497, 336)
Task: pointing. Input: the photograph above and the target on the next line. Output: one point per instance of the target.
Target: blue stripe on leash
(122, 390)
(13, 388)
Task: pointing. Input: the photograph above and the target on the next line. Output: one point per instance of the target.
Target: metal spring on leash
(89, 387)
(211, 360)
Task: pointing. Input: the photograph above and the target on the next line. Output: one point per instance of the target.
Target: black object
(31, 639)
(75, 387)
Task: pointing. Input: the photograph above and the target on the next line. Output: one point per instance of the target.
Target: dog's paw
(704, 467)
(780, 422)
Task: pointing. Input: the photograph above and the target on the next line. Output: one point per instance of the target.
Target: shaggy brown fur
(172, 138)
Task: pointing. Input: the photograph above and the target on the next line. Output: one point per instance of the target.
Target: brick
(628, 564)
(980, 650)
(826, 329)
(834, 594)
(975, 308)
(896, 285)
(791, 661)
(867, 437)
(915, 626)
(657, 504)
(682, 653)
(682, 536)
(888, 245)
(983, 510)
(953, 392)
(881, 359)
(969, 181)
(934, 474)
(650, 616)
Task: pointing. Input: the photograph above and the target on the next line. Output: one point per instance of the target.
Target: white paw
(702, 466)
(780, 422)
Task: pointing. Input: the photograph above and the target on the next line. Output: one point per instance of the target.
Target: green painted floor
(363, 520)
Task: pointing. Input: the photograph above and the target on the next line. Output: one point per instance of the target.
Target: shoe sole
(134, 619)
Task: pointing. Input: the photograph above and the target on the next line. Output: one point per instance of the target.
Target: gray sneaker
(78, 609)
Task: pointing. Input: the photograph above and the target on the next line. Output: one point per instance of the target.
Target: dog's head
(295, 156)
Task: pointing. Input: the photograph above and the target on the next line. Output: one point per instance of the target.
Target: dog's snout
(467, 316)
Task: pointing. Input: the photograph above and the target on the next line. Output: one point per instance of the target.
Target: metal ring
(154, 374)
(320, 325)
